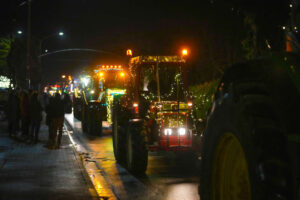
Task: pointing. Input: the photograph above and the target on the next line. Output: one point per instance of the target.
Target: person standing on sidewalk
(58, 119)
(13, 113)
(49, 120)
(25, 118)
(67, 103)
(35, 109)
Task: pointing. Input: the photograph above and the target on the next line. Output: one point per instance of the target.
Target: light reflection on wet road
(169, 176)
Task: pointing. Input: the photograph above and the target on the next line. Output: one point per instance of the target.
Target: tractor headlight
(168, 131)
(181, 131)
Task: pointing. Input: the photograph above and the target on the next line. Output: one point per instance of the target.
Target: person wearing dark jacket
(25, 118)
(35, 112)
(67, 103)
(13, 113)
(57, 106)
(49, 120)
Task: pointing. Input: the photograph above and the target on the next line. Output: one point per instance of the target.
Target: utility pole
(28, 42)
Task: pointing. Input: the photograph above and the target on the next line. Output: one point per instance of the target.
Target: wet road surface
(168, 176)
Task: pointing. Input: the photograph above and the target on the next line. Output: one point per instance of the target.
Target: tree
(17, 63)
(5, 47)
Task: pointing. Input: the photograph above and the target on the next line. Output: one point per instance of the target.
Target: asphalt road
(169, 176)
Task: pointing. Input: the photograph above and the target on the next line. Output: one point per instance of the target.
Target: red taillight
(136, 108)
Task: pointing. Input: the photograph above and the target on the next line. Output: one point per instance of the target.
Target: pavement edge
(93, 175)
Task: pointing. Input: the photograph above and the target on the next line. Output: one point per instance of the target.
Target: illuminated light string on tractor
(109, 101)
(151, 96)
(108, 68)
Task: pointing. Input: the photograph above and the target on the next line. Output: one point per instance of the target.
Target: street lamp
(49, 36)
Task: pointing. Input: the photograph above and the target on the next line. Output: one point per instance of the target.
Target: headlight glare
(168, 131)
(181, 131)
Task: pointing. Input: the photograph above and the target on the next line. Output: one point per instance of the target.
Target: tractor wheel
(119, 140)
(84, 118)
(94, 126)
(137, 152)
(240, 155)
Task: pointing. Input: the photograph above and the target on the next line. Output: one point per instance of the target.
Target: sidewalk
(32, 171)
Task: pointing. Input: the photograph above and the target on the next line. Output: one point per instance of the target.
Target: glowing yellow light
(111, 66)
(115, 66)
(129, 52)
(184, 52)
(135, 105)
(107, 66)
(63, 76)
(119, 66)
(70, 78)
(101, 74)
(103, 66)
(122, 74)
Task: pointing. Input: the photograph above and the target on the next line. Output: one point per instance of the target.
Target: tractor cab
(161, 98)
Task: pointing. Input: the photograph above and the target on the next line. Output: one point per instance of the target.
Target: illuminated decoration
(4, 82)
(122, 74)
(111, 68)
(184, 52)
(155, 59)
(63, 76)
(129, 52)
(101, 74)
(110, 99)
(112, 92)
(72, 87)
(70, 78)
(92, 92)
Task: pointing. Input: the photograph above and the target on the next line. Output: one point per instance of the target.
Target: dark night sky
(148, 27)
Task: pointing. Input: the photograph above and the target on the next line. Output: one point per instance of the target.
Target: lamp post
(28, 41)
(49, 36)
(41, 41)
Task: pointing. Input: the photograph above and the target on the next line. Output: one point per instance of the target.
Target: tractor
(155, 114)
(95, 94)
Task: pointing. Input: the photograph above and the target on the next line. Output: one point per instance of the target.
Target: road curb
(92, 174)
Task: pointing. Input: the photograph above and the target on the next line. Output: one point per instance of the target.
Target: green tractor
(95, 94)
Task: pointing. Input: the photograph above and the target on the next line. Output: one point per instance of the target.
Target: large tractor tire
(137, 152)
(84, 118)
(94, 122)
(119, 140)
(242, 155)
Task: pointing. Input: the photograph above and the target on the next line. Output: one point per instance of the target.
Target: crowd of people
(25, 114)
